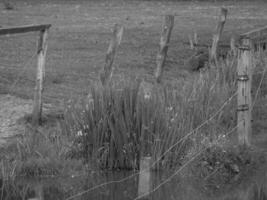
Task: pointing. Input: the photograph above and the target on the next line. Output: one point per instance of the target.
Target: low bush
(220, 167)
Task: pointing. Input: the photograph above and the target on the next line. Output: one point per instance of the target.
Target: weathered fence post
(145, 179)
(106, 73)
(216, 36)
(41, 54)
(244, 77)
(191, 42)
(232, 46)
(195, 38)
(164, 44)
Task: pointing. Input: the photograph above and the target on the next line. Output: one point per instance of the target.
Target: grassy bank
(115, 125)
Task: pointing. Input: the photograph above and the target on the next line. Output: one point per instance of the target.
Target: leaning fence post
(216, 36)
(106, 73)
(164, 44)
(244, 76)
(41, 54)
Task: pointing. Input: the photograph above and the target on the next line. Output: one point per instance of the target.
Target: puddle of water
(178, 188)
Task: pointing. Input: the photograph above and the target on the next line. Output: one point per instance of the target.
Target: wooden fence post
(145, 177)
(164, 44)
(216, 37)
(233, 47)
(106, 73)
(195, 38)
(244, 79)
(41, 54)
(191, 42)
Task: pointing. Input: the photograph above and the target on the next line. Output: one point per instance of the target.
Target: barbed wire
(154, 163)
(187, 163)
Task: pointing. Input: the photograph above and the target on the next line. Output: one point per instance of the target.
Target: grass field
(80, 35)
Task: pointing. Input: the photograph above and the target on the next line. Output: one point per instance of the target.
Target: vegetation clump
(220, 167)
(40, 152)
(114, 125)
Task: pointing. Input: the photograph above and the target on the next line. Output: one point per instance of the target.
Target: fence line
(41, 54)
(154, 163)
(181, 168)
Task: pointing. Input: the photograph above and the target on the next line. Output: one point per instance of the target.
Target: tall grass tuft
(107, 127)
(115, 125)
(39, 152)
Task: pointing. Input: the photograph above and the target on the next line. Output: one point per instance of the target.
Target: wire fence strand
(154, 163)
(186, 164)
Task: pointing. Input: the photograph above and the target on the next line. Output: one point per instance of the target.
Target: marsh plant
(115, 125)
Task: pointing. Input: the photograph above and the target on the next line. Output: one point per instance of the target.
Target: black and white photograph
(133, 100)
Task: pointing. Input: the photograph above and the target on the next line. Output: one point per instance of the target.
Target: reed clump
(116, 124)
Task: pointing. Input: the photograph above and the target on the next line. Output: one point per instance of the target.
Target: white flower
(79, 133)
(147, 95)
(170, 108)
